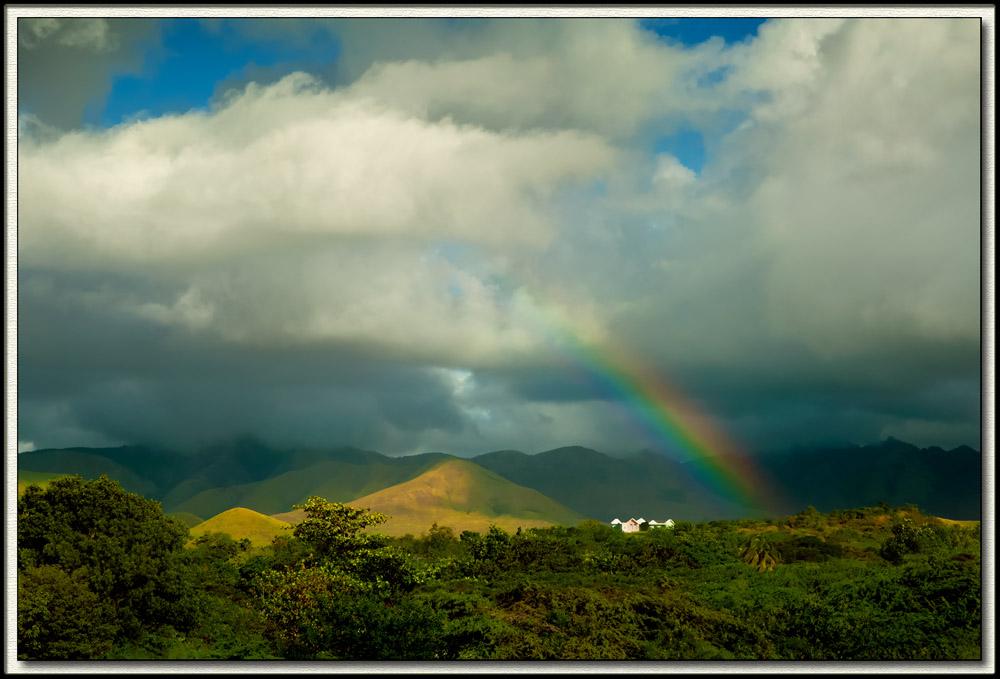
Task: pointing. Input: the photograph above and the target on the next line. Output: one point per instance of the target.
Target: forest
(104, 574)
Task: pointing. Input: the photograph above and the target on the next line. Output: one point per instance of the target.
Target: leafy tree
(227, 627)
(315, 607)
(683, 527)
(59, 617)
(334, 529)
(809, 518)
(120, 544)
(907, 538)
(493, 545)
(322, 613)
(537, 550)
(281, 554)
(440, 539)
(290, 600)
(486, 551)
(385, 571)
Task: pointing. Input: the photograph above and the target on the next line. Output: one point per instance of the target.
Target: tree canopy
(335, 529)
(103, 574)
(114, 550)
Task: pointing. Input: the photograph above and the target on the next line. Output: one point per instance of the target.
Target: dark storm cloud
(773, 400)
(126, 379)
(57, 78)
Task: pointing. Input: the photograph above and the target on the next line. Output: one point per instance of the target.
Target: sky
(467, 235)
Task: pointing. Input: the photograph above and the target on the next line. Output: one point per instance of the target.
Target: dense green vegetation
(102, 573)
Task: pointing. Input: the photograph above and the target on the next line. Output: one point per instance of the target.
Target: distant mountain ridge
(247, 473)
(595, 484)
(942, 482)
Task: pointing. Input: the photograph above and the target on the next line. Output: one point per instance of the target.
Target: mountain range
(511, 488)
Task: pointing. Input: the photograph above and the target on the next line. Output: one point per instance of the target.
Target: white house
(669, 523)
(636, 525)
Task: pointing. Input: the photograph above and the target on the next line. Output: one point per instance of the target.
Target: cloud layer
(404, 256)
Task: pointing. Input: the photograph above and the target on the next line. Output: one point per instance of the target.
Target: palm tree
(760, 552)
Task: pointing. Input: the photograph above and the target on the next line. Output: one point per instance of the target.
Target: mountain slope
(940, 482)
(190, 520)
(241, 523)
(464, 496)
(602, 487)
(40, 479)
(333, 479)
(89, 464)
(246, 473)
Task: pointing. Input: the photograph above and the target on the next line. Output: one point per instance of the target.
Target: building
(669, 523)
(640, 524)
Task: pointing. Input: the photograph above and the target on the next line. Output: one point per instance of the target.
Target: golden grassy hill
(240, 523)
(464, 496)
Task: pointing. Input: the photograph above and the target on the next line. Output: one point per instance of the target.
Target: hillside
(246, 473)
(241, 523)
(333, 479)
(89, 463)
(603, 487)
(240, 472)
(945, 483)
(940, 482)
(187, 518)
(26, 478)
(464, 496)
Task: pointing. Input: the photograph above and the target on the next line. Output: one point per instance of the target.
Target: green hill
(189, 519)
(211, 502)
(185, 490)
(244, 472)
(464, 496)
(26, 478)
(240, 523)
(604, 487)
(940, 482)
(89, 464)
(333, 479)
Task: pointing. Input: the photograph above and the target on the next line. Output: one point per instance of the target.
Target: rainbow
(668, 418)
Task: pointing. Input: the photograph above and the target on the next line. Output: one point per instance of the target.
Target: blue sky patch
(687, 145)
(690, 32)
(194, 59)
